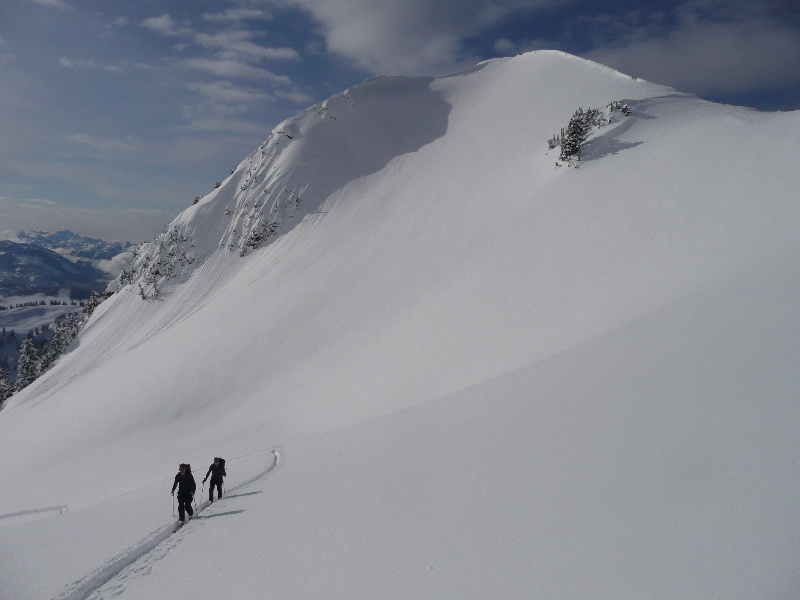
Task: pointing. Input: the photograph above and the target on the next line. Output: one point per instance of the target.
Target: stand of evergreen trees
(80, 303)
(32, 363)
(6, 386)
(574, 137)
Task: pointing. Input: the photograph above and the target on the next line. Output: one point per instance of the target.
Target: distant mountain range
(71, 244)
(38, 262)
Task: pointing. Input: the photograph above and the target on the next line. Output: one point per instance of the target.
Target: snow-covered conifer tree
(573, 138)
(6, 386)
(65, 331)
(28, 365)
(92, 303)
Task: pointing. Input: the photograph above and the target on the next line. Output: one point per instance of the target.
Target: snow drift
(486, 376)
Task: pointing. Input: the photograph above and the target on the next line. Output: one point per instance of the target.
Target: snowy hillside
(440, 366)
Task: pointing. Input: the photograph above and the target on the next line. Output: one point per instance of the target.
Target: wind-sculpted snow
(304, 160)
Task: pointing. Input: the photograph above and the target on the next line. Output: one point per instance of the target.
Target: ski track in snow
(112, 578)
(33, 513)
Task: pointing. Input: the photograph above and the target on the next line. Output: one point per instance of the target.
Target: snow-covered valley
(454, 371)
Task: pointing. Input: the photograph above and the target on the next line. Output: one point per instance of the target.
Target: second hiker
(217, 472)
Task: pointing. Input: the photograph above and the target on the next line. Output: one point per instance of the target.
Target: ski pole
(173, 504)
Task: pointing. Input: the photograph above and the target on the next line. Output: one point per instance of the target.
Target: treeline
(10, 336)
(33, 361)
(80, 303)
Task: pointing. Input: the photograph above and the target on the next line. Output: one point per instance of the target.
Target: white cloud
(715, 48)
(411, 37)
(238, 15)
(235, 46)
(80, 63)
(239, 45)
(33, 202)
(235, 69)
(224, 92)
(164, 25)
(219, 125)
(60, 4)
(110, 27)
(102, 144)
(294, 96)
(9, 235)
(114, 266)
(223, 108)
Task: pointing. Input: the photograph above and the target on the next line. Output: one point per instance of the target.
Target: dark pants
(184, 506)
(215, 483)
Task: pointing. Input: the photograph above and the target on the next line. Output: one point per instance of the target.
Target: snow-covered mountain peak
(464, 352)
(350, 135)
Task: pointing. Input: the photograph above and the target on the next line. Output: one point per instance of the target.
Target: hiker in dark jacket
(184, 481)
(217, 472)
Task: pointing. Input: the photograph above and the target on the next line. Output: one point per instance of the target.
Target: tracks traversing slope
(32, 513)
(138, 559)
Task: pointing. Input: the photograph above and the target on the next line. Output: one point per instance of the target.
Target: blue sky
(115, 114)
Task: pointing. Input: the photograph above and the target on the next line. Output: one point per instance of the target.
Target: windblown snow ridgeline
(488, 375)
(303, 162)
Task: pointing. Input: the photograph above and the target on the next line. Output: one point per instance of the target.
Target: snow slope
(483, 376)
